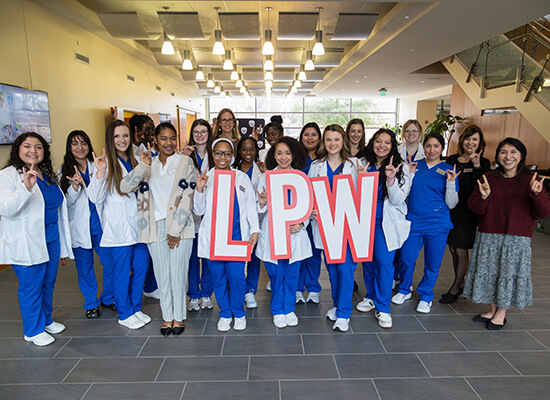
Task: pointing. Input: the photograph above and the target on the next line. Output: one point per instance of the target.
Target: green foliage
(443, 123)
(396, 129)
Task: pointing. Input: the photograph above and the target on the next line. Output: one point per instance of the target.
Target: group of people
(145, 202)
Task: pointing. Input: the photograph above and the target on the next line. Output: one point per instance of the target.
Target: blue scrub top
(249, 172)
(413, 156)
(428, 211)
(53, 198)
(379, 199)
(309, 161)
(126, 164)
(330, 173)
(236, 218)
(199, 159)
(95, 225)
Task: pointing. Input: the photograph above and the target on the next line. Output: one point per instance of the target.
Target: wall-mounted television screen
(23, 110)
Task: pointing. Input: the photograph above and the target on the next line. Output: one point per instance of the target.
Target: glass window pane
(290, 120)
(236, 104)
(277, 105)
(293, 132)
(376, 120)
(324, 119)
(378, 104)
(320, 104)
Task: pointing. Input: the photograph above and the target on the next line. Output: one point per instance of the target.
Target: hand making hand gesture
(262, 198)
(76, 179)
(411, 164)
(361, 168)
(29, 177)
(475, 158)
(536, 185)
(484, 187)
(202, 179)
(452, 175)
(146, 156)
(391, 172)
(100, 164)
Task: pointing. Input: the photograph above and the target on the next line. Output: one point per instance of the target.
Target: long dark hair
(201, 122)
(136, 124)
(357, 121)
(368, 154)
(114, 174)
(45, 165)
(314, 126)
(238, 158)
(518, 144)
(69, 162)
(299, 155)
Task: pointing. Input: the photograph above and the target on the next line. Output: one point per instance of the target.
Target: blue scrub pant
(310, 269)
(252, 274)
(35, 292)
(199, 286)
(341, 285)
(150, 284)
(378, 273)
(397, 266)
(284, 281)
(87, 282)
(434, 247)
(129, 265)
(230, 297)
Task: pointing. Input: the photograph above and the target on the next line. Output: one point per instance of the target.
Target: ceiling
(368, 45)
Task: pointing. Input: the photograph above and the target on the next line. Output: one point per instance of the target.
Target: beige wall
(37, 52)
(426, 111)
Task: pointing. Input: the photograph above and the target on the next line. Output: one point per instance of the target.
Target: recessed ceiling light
(407, 16)
(356, 81)
(365, 77)
(341, 90)
(412, 49)
(422, 81)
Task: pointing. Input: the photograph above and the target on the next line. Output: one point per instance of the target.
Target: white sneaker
(394, 284)
(313, 297)
(424, 307)
(154, 294)
(42, 339)
(399, 298)
(291, 319)
(279, 321)
(224, 324)
(384, 319)
(193, 305)
(132, 322)
(55, 327)
(300, 298)
(250, 300)
(268, 286)
(144, 317)
(365, 305)
(239, 324)
(206, 302)
(341, 324)
(331, 314)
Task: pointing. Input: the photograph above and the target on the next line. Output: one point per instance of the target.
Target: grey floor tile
(63, 313)
(18, 348)
(467, 364)
(12, 329)
(502, 340)
(308, 310)
(309, 325)
(10, 300)
(115, 370)
(292, 367)
(43, 392)
(183, 346)
(342, 344)
(135, 391)
(528, 322)
(530, 362)
(10, 313)
(35, 370)
(348, 389)
(96, 327)
(231, 390)
(192, 327)
(61, 298)
(542, 336)
(420, 342)
(262, 345)
(102, 347)
(379, 366)
(540, 306)
(437, 323)
(400, 324)
(465, 306)
(419, 388)
(254, 326)
(512, 388)
(179, 369)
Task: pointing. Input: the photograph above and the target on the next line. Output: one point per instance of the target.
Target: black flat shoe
(166, 329)
(495, 327)
(355, 286)
(93, 313)
(109, 306)
(479, 318)
(178, 329)
(448, 298)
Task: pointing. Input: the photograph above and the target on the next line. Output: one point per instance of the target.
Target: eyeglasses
(200, 132)
(227, 121)
(219, 153)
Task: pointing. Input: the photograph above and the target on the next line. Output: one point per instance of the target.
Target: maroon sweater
(511, 208)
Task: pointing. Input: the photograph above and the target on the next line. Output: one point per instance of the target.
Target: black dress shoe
(479, 318)
(93, 313)
(495, 327)
(448, 298)
(178, 329)
(110, 306)
(166, 329)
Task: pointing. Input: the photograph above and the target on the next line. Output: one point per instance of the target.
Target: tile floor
(443, 355)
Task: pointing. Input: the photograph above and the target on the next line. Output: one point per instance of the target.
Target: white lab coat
(22, 230)
(402, 149)
(299, 241)
(246, 197)
(117, 214)
(319, 168)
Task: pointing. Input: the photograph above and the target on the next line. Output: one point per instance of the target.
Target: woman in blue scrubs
(34, 232)
(434, 192)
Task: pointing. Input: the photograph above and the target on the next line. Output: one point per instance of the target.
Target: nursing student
(433, 193)
(127, 259)
(86, 232)
(391, 226)
(200, 287)
(165, 186)
(228, 276)
(356, 134)
(245, 161)
(412, 136)
(34, 233)
(286, 153)
(310, 268)
(334, 159)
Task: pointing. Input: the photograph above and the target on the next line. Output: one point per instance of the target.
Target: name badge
(242, 189)
(468, 170)
(440, 171)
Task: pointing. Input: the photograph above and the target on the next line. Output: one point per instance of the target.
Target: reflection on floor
(443, 355)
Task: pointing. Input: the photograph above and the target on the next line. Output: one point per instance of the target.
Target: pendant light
(167, 47)
(302, 75)
(309, 66)
(227, 64)
(234, 73)
(268, 76)
(268, 49)
(210, 83)
(200, 75)
(187, 64)
(318, 49)
(218, 48)
(268, 65)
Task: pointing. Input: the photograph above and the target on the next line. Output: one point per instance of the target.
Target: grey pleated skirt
(500, 271)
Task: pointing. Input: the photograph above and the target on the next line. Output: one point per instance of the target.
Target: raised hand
(261, 166)
(475, 158)
(262, 198)
(361, 168)
(536, 185)
(76, 179)
(484, 187)
(411, 164)
(29, 177)
(173, 242)
(188, 150)
(146, 156)
(202, 179)
(100, 164)
(451, 175)
(256, 133)
(391, 171)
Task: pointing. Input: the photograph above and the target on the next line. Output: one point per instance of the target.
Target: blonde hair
(217, 129)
